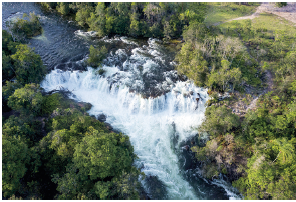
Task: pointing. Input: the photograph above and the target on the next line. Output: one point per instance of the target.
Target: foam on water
(85, 34)
(150, 123)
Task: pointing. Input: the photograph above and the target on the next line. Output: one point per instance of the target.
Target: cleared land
(221, 12)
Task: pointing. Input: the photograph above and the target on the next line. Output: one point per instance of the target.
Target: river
(140, 94)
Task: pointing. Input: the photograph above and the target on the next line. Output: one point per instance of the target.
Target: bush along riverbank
(26, 27)
(138, 19)
(49, 141)
(252, 133)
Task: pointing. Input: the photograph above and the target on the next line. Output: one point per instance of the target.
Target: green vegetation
(20, 61)
(28, 65)
(51, 148)
(15, 157)
(79, 156)
(137, 19)
(222, 11)
(269, 40)
(22, 29)
(256, 151)
(214, 60)
(280, 4)
(96, 56)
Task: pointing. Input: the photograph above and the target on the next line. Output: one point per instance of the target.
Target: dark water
(61, 47)
(148, 72)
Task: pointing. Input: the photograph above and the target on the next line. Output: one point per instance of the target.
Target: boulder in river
(108, 126)
(197, 100)
(101, 117)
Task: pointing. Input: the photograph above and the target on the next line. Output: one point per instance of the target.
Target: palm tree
(286, 149)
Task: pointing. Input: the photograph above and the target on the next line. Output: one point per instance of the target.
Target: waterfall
(150, 122)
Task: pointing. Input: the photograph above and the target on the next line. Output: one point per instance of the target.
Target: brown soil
(288, 12)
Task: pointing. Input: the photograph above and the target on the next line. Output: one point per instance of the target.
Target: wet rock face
(156, 188)
(101, 117)
(108, 126)
(197, 100)
(85, 105)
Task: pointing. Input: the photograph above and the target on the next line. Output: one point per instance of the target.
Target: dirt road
(288, 12)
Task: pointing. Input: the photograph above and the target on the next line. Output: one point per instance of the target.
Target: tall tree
(28, 65)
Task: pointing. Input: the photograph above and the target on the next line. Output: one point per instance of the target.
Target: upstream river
(140, 94)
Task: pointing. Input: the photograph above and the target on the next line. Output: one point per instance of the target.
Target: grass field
(269, 38)
(266, 21)
(220, 12)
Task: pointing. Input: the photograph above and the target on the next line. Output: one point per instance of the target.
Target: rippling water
(141, 95)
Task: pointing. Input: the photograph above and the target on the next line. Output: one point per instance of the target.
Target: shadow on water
(189, 169)
(156, 189)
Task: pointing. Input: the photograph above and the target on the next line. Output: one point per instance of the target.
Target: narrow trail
(288, 12)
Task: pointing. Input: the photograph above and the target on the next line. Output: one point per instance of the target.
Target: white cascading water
(150, 123)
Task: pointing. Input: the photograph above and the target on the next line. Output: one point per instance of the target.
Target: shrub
(22, 28)
(280, 4)
(96, 56)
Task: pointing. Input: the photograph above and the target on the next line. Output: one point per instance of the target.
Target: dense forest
(51, 145)
(51, 148)
(137, 19)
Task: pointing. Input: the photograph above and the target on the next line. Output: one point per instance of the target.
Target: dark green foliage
(100, 71)
(76, 137)
(63, 8)
(52, 5)
(219, 120)
(20, 61)
(8, 43)
(18, 128)
(280, 4)
(271, 172)
(97, 20)
(103, 155)
(135, 19)
(7, 68)
(83, 15)
(22, 28)
(14, 160)
(101, 169)
(8, 90)
(8, 48)
(27, 100)
(70, 134)
(96, 56)
(28, 65)
(50, 103)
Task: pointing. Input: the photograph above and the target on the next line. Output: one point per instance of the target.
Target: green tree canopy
(101, 155)
(22, 29)
(28, 65)
(14, 159)
(27, 99)
(219, 120)
(96, 56)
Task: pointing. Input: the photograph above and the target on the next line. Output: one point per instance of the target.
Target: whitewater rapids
(156, 126)
(148, 122)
